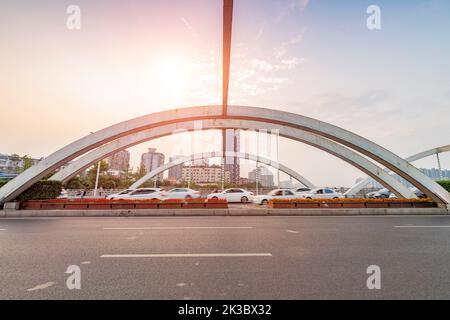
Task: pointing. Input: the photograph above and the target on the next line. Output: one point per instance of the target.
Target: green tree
(27, 162)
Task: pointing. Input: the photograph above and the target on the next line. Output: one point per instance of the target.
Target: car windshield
(125, 192)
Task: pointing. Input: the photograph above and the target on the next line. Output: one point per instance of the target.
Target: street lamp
(96, 177)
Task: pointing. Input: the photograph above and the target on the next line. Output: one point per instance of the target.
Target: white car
(181, 193)
(143, 193)
(301, 190)
(322, 193)
(233, 195)
(417, 192)
(121, 193)
(64, 194)
(275, 194)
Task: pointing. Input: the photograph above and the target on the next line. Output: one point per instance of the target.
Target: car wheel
(264, 202)
(244, 200)
(155, 199)
(188, 197)
(309, 198)
(335, 198)
(215, 198)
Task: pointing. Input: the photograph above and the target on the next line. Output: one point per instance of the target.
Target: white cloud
(298, 5)
(261, 65)
(272, 80)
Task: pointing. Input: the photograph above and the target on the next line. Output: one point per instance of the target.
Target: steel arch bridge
(332, 139)
(421, 155)
(327, 137)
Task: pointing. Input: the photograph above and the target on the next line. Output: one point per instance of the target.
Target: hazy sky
(315, 57)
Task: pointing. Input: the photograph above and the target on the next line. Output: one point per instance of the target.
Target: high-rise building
(152, 160)
(119, 163)
(175, 173)
(232, 164)
(12, 164)
(263, 175)
(204, 174)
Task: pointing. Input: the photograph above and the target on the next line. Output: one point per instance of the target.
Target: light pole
(439, 166)
(257, 178)
(96, 179)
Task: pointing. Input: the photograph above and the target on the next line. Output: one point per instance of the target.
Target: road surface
(225, 257)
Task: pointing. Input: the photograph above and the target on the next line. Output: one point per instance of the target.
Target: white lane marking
(131, 238)
(2, 229)
(86, 262)
(174, 228)
(411, 226)
(291, 231)
(186, 255)
(42, 286)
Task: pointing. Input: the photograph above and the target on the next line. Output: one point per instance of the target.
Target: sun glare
(172, 77)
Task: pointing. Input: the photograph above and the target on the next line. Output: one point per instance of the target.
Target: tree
(91, 175)
(27, 162)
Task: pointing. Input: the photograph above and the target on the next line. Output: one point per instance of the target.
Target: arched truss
(312, 139)
(292, 122)
(364, 183)
(219, 154)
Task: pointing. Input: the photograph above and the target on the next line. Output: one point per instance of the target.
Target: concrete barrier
(223, 212)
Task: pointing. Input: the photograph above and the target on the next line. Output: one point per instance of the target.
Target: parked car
(301, 190)
(233, 195)
(322, 193)
(121, 193)
(382, 193)
(275, 194)
(417, 192)
(64, 194)
(142, 193)
(181, 193)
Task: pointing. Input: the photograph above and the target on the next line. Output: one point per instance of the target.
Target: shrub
(3, 182)
(42, 190)
(445, 184)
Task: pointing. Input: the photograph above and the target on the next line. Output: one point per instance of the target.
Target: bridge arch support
(290, 121)
(421, 155)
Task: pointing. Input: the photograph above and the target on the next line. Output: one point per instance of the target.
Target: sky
(316, 58)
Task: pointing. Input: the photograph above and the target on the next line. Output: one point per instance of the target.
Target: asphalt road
(226, 257)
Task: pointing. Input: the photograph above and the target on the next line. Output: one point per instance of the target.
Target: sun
(172, 76)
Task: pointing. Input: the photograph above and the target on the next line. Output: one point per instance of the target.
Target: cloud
(298, 37)
(261, 65)
(272, 80)
(293, 62)
(298, 5)
(282, 49)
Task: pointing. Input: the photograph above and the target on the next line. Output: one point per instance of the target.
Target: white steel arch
(368, 180)
(219, 154)
(265, 116)
(324, 144)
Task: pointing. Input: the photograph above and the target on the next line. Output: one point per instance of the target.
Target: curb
(221, 212)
